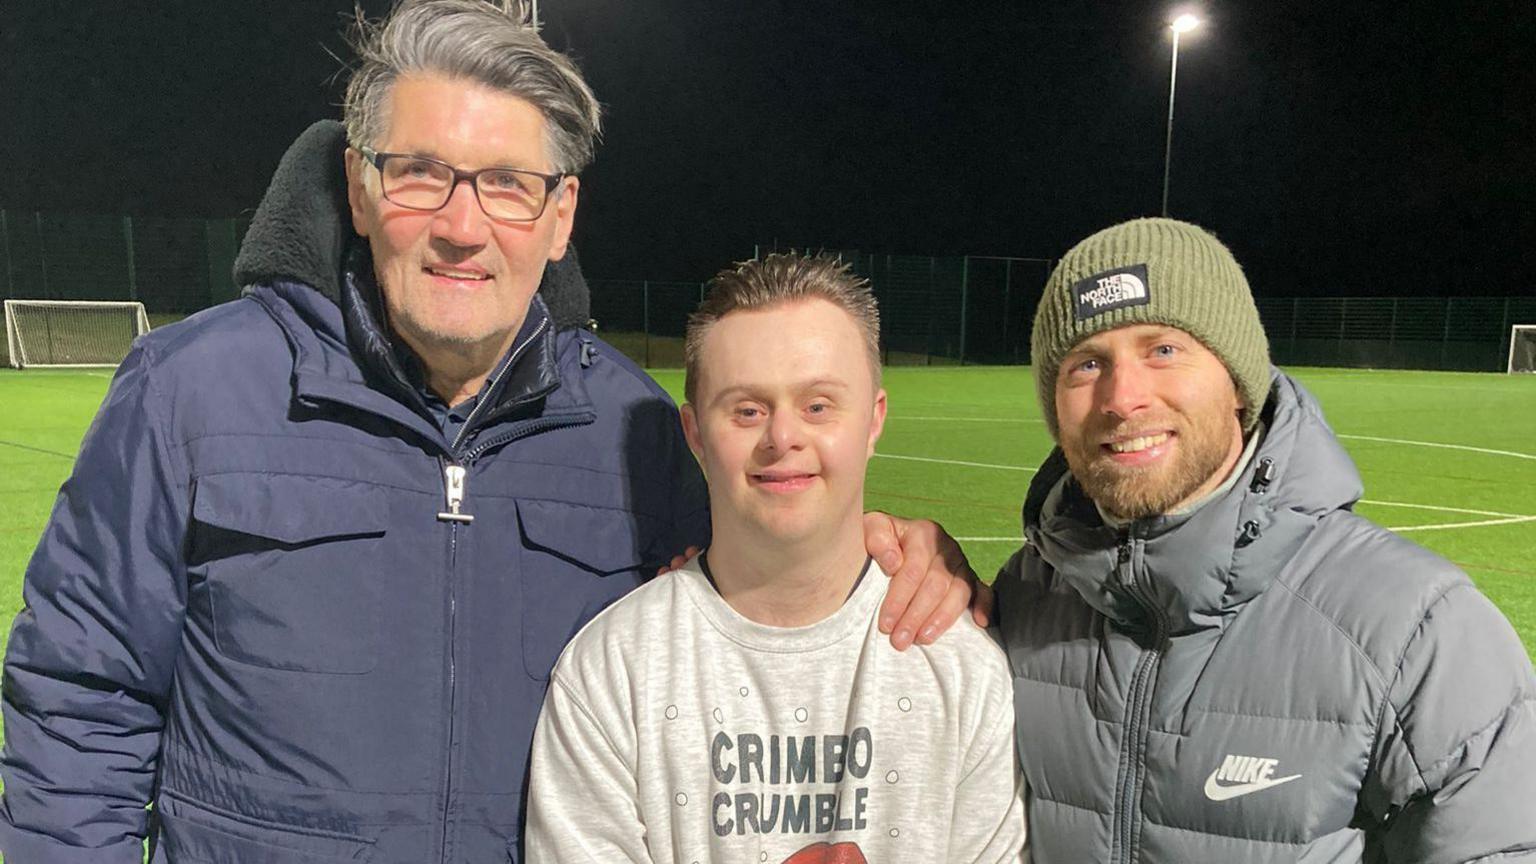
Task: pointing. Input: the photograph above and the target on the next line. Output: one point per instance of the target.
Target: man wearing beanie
(1214, 658)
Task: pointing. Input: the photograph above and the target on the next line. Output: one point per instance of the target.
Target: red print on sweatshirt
(828, 853)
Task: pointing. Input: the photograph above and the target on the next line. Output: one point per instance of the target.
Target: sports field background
(1449, 459)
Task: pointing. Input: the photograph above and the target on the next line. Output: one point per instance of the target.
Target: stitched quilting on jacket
(1269, 678)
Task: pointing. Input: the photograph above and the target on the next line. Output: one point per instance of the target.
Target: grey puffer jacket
(1270, 678)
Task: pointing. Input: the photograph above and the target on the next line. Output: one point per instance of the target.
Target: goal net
(1522, 348)
(71, 333)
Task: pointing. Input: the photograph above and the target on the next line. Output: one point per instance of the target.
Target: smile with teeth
(1136, 445)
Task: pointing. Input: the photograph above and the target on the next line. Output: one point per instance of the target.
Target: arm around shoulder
(91, 655)
(1453, 776)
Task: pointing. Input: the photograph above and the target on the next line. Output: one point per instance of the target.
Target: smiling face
(1149, 419)
(454, 280)
(784, 418)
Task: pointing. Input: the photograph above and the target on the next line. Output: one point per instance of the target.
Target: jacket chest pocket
(193, 833)
(575, 560)
(289, 563)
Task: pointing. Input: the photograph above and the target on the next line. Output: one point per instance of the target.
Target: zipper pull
(1123, 564)
(453, 489)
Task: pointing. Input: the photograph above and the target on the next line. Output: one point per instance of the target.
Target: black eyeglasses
(419, 183)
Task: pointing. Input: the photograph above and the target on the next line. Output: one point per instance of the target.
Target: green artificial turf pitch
(1448, 459)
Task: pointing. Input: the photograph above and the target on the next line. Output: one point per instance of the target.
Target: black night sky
(1341, 148)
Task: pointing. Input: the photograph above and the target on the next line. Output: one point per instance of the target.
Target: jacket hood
(303, 228)
(1205, 564)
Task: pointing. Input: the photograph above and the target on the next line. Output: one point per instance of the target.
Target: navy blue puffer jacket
(251, 608)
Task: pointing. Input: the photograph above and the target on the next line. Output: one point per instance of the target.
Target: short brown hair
(777, 279)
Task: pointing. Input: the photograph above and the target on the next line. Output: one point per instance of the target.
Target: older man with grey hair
(321, 547)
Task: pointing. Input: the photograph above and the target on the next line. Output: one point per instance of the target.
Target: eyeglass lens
(423, 184)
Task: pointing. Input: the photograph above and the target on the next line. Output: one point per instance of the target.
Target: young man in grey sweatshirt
(746, 708)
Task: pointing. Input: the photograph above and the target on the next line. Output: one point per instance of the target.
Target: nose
(782, 433)
(461, 221)
(1125, 389)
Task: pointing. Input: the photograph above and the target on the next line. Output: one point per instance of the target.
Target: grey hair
(489, 42)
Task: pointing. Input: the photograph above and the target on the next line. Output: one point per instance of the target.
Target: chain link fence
(1467, 334)
(935, 310)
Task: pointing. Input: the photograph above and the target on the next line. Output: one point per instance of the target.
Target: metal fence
(934, 310)
(1469, 334)
(170, 265)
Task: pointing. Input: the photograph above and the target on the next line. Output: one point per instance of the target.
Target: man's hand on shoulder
(931, 582)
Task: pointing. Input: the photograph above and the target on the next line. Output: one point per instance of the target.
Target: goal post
(71, 334)
(1522, 348)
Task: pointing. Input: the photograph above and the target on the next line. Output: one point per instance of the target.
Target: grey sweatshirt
(676, 729)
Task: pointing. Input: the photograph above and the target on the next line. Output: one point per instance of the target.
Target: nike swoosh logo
(1217, 792)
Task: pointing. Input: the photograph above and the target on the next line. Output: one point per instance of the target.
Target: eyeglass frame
(376, 159)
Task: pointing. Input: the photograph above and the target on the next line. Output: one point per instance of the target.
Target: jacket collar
(532, 373)
(301, 259)
(341, 354)
(1194, 569)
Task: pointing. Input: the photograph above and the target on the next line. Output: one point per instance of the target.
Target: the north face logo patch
(1112, 289)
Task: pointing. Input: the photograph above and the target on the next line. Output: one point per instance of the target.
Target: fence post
(1504, 331)
(1392, 328)
(42, 253)
(645, 318)
(1008, 305)
(965, 293)
(1343, 324)
(1445, 333)
(1295, 313)
(929, 346)
(133, 278)
(5, 238)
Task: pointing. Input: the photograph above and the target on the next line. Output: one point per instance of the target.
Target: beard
(1202, 444)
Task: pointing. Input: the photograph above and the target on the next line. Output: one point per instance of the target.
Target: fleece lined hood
(303, 228)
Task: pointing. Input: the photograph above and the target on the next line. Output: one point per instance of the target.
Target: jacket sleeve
(1452, 777)
(89, 663)
(690, 502)
(583, 801)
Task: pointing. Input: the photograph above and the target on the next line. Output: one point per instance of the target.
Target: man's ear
(357, 193)
(564, 205)
(691, 431)
(877, 422)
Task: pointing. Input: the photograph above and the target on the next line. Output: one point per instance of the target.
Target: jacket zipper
(455, 474)
(1127, 822)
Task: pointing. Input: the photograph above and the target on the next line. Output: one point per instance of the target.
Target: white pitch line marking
(1400, 530)
(937, 419)
(1515, 521)
(1468, 448)
(1446, 509)
(1511, 453)
(1502, 518)
(956, 462)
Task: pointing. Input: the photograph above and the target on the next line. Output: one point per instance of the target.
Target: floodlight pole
(1173, 77)
(535, 14)
(1180, 25)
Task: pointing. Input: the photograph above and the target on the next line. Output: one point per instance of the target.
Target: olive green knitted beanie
(1152, 271)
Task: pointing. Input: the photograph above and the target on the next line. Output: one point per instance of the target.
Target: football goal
(71, 333)
(1522, 348)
